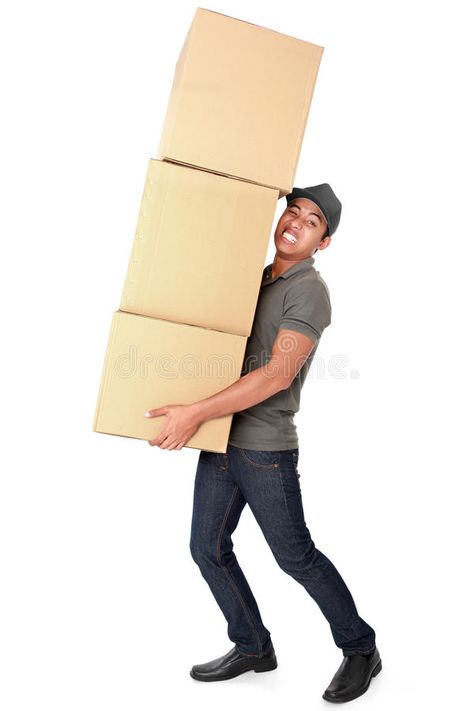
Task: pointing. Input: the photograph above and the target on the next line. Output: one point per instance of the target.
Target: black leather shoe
(232, 664)
(353, 677)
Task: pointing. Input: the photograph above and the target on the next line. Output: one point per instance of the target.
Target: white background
(102, 606)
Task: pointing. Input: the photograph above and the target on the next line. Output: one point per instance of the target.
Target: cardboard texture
(240, 100)
(199, 248)
(150, 362)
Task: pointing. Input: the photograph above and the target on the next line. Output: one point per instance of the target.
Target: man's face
(304, 221)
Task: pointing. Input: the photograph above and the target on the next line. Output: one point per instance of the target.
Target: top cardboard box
(240, 100)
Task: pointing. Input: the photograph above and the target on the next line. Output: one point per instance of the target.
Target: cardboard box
(150, 363)
(240, 99)
(199, 248)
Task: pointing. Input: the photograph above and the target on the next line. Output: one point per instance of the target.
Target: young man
(260, 464)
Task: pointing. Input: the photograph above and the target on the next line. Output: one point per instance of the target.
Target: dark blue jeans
(269, 482)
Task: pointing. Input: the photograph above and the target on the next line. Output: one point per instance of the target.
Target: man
(260, 464)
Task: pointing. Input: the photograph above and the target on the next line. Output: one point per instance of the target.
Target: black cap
(325, 198)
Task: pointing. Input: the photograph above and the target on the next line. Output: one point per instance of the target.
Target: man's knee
(196, 550)
(205, 554)
(202, 552)
(296, 563)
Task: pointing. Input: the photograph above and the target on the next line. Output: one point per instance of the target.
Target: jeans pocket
(261, 458)
(214, 459)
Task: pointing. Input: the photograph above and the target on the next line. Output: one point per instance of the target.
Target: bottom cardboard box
(150, 362)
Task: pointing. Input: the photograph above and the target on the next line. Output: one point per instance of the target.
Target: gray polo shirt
(299, 300)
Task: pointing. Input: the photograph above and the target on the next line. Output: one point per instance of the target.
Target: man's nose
(296, 223)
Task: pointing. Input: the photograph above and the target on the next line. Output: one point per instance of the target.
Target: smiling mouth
(289, 238)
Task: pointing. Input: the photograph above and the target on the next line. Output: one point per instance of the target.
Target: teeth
(290, 237)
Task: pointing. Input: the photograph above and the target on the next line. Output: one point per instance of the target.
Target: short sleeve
(307, 309)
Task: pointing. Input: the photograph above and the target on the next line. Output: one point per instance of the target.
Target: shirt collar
(302, 265)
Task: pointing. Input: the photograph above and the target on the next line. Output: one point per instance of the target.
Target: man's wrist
(197, 410)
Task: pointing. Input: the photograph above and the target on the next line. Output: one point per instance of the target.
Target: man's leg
(269, 481)
(218, 504)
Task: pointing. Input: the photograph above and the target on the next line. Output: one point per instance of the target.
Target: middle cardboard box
(199, 248)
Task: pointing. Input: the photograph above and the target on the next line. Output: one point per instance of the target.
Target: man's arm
(289, 351)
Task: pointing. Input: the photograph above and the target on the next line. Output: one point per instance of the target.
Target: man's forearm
(250, 389)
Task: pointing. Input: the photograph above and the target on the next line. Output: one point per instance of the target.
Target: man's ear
(324, 243)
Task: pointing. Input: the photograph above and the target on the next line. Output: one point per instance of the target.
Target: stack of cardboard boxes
(229, 149)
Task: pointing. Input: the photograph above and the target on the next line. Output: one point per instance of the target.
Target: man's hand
(182, 422)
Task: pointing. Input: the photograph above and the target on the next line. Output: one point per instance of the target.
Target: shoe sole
(266, 666)
(377, 670)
